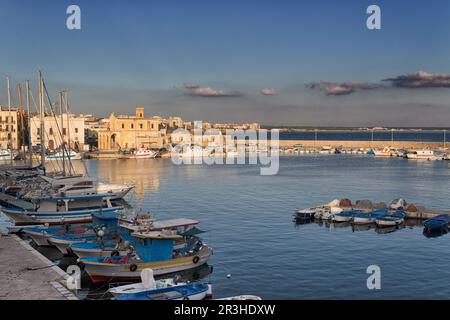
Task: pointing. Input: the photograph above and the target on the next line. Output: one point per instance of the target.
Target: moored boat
(148, 282)
(390, 220)
(155, 250)
(369, 217)
(190, 291)
(436, 224)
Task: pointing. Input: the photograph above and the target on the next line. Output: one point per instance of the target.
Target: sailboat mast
(30, 149)
(10, 147)
(22, 124)
(63, 147)
(41, 116)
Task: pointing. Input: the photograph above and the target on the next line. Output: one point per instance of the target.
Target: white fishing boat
(6, 155)
(148, 282)
(327, 150)
(84, 186)
(72, 155)
(60, 210)
(422, 154)
(142, 153)
(369, 217)
(385, 152)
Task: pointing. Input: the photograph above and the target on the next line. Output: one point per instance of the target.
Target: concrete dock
(25, 274)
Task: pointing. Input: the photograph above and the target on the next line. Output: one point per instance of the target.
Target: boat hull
(57, 218)
(40, 238)
(103, 272)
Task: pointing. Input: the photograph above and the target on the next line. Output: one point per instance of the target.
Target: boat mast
(41, 115)
(63, 147)
(30, 149)
(22, 125)
(9, 120)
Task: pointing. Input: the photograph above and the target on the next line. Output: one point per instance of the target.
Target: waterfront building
(71, 127)
(11, 128)
(130, 132)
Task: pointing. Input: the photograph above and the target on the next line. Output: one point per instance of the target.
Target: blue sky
(132, 53)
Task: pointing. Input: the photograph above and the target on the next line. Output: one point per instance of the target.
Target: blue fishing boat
(369, 217)
(436, 224)
(155, 250)
(191, 291)
(346, 216)
(389, 220)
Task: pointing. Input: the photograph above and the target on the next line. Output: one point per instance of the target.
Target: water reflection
(409, 223)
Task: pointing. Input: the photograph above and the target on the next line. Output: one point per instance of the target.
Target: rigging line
(64, 149)
(66, 100)
(44, 133)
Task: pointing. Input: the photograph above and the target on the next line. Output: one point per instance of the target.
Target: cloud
(268, 92)
(421, 79)
(196, 90)
(339, 89)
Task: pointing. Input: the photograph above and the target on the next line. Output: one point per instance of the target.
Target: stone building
(11, 128)
(131, 132)
(54, 128)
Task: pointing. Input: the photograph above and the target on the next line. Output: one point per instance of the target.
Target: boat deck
(25, 274)
(16, 202)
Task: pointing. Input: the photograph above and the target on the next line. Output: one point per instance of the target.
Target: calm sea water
(249, 222)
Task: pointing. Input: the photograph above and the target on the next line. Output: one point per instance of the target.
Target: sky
(302, 63)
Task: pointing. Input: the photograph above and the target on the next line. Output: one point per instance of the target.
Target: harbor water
(259, 249)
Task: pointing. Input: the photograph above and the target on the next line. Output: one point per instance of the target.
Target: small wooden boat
(436, 224)
(148, 282)
(369, 217)
(390, 220)
(346, 216)
(41, 235)
(191, 291)
(306, 213)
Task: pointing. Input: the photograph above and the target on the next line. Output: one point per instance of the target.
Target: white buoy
(229, 276)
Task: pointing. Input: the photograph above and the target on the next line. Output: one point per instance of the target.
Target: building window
(76, 130)
(153, 126)
(51, 131)
(64, 131)
(132, 126)
(140, 126)
(123, 125)
(38, 131)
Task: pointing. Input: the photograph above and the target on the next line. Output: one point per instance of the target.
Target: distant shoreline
(377, 129)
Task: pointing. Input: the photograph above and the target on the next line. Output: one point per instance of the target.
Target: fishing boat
(61, 210)
(142, 153)
(390, 220)
(369, 217)
(148, 282)
(190, 291)
(80, 185)
(385, 152)
(6, 155)
(346, 216)
(155, 250)
(64, 155)
(63, 242)
(305, 213)
(422, 154)
(141, 222)
(436, 224)
(40, 235)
